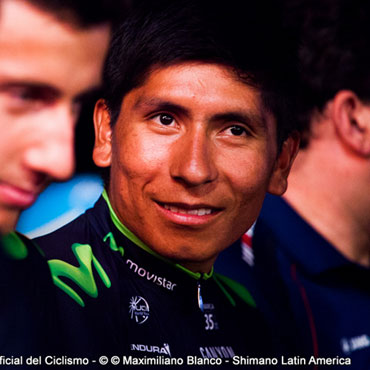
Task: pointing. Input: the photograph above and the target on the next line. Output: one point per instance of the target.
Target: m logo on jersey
(82, 275)
(139, 309)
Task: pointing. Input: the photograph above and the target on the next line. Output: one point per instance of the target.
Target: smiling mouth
(191, 210)
(196, 211)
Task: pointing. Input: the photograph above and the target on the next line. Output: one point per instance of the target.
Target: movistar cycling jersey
(27, 326)
(117, 297)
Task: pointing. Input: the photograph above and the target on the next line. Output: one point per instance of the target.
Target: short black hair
(85, 13)
(335, 50)
(245, 35)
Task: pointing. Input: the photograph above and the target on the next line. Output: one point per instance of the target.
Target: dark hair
(85, 13)
(335, 50)
(250, 40)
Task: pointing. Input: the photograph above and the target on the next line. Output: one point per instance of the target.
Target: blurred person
(317, 238)
(51, 56)
(194, 129)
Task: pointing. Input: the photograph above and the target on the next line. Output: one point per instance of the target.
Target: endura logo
(165, 350)
(161, 281)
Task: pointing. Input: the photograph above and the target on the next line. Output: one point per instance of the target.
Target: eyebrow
(28, 85)
(250, 119)
(88, 95)
(160, 104)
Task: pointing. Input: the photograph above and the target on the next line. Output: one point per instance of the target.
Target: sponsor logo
(112, 244)
(217, 352)
(159, 280)
(164, 350)
(139, 309)
(355, 343)
(82, 275)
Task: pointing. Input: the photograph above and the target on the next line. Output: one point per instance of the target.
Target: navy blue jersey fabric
(120, 299)
(27, 327)
(326, 296)
(268, 289)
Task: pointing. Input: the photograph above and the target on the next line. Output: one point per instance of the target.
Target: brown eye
(237, 130)
(165, 119)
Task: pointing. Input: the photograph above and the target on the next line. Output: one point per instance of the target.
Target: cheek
(8, 146)
(138, 158)
(249, 175)
(14, 139)
(22, 131)
(248, 181)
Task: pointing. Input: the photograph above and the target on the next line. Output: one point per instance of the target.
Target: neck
(323, 189)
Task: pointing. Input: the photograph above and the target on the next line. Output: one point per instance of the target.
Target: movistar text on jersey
(159, 280)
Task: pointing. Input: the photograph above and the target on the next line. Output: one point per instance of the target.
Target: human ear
(279, 178)
(351, 118)
(102, 154)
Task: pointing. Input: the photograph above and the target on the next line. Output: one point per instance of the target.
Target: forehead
(20, 22)
(37, 48)
(196, 82)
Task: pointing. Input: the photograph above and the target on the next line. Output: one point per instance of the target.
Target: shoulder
(23, 266)
(83, 230)
(16, 246)
(18, 253)
(27, 308)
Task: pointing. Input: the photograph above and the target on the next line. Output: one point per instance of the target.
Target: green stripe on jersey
(239, 289)
(13, 246)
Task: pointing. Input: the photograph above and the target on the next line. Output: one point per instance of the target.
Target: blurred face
(46, 67)
(192, 155)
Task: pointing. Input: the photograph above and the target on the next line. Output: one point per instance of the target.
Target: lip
(14, 196)
(177, 215)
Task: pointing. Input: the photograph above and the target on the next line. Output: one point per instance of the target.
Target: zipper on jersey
(200, 298)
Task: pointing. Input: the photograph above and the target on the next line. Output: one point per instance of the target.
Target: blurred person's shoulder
(26, 307)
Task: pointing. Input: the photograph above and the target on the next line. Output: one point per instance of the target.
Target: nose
(51, 153)
(194, 162)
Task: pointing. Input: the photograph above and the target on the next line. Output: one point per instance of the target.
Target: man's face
(45, 68)
(192, 155)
